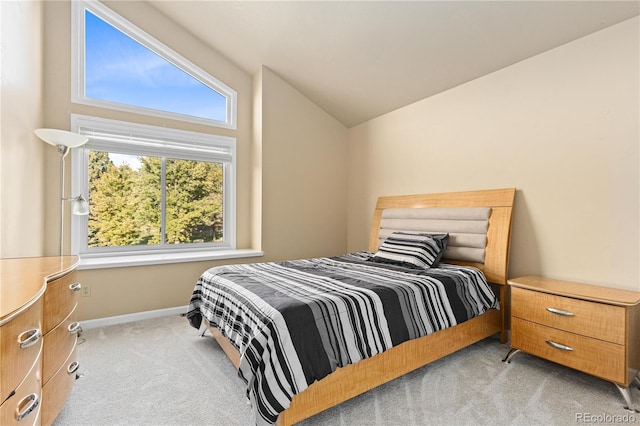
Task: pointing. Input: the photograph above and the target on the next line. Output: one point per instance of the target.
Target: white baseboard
(138, 316)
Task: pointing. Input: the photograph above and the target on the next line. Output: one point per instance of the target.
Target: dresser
(590, 328)
(38, 335)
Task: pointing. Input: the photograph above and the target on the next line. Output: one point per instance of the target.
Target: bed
(254, 310)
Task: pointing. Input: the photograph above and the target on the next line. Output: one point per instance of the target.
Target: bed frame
(355, 379)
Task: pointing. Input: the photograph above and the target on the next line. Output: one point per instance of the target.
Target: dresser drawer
(58, 344)
(23, 408)
(592, 319)
(20, 343)
(56, 391)
(593, 356)
(59, 300)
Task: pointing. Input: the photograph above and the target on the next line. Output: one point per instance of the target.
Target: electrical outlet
(85, 291)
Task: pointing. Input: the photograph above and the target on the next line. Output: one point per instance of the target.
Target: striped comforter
(295, 322)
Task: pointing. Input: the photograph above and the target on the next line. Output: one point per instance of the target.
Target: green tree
(112, 219)
(99, 163)
(147, 196)
(194, 201)
(126, 202)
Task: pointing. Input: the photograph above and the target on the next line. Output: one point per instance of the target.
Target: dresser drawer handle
(73, 367)
(26, 406)
(558, 346)
(74, 328)
(560, 312)
(75, 287)
(28, 338)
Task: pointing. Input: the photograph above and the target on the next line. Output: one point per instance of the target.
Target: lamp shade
(79, 206)
(57, 137)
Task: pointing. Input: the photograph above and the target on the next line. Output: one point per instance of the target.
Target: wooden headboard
(500, 202)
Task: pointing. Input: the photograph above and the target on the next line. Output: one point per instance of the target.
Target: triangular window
(119, 66)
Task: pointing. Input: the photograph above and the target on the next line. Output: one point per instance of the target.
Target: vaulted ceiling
(361, 59)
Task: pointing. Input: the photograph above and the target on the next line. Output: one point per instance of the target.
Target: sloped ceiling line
(360, 59)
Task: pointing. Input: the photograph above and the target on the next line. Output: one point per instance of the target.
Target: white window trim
(78, 77)
(113, 256)
(165, 258)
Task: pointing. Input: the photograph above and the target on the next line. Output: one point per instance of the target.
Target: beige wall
(561, 127)
(21, 152)
(304, 163)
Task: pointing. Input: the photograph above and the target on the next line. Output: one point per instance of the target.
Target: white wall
(561, 127)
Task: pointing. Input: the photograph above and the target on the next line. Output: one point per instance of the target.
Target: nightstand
(592, 329)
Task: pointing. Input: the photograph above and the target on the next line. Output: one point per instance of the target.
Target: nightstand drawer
(602, 359)
(592, 319)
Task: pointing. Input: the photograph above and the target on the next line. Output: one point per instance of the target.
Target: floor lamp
(64, 141)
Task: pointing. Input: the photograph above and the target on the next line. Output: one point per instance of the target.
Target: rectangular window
(152, 189)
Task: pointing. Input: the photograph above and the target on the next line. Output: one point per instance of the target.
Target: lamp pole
(63, 150)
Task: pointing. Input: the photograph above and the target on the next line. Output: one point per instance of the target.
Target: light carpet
(161, 372)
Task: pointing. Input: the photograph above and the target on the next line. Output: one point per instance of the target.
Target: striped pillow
(412, 250)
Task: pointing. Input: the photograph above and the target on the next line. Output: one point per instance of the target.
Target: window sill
(121, 261)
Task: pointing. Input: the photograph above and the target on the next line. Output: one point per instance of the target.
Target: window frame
(78, 67)
(195, 146)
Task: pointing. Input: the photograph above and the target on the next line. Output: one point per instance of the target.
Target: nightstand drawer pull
(29, 338)
(26, 406)
(75, 287)
(560, 312)
(558, 346)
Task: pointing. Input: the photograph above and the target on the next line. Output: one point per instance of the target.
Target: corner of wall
(256, 163)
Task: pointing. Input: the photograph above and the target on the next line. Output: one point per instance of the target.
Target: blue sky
(118, 69)
(132, 161)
